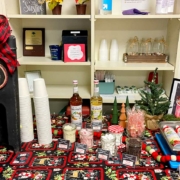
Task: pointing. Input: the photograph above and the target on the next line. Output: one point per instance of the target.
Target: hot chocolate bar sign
(32, 7)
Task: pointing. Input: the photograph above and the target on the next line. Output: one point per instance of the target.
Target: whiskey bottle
(96, 108)
(76, 106)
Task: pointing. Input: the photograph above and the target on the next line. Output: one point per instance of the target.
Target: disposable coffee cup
(23, 87)
(39, 87)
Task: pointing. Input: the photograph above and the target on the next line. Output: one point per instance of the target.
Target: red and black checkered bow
(6, 54)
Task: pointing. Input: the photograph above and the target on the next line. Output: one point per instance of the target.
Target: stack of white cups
(103, 51)
(114, 50)
(42, 111)
(26, 121)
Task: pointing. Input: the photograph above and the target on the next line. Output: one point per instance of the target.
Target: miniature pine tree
(122, 117)
(127, 102)
(115, 113)
(152, 101)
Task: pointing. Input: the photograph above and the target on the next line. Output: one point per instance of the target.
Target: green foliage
(170, 117)
(115, 113)
(152, 101)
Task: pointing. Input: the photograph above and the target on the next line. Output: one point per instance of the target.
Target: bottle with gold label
(96, 108)
(76, 106)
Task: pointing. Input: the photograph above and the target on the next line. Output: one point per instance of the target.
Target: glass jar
(69, 132)
(108, 142)
(116, 131)
(133, 147)
(86, 137)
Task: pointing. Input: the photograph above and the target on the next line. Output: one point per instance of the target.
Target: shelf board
(47, 61)
(65, 91)
(121, 98)
(120, 65)
(168, 16)
(19, 16)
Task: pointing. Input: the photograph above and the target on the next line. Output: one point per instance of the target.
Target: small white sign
(142, 5)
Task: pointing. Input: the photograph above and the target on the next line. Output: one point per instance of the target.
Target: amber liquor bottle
(96, 108)
(76, 106)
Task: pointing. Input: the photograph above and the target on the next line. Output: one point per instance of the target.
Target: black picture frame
(174, 98)
(34, 46)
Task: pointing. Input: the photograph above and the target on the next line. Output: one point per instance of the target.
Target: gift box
(75, 45)
(106, 87)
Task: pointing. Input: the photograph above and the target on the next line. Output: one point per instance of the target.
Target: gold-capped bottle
(96, 108)
(76, 106)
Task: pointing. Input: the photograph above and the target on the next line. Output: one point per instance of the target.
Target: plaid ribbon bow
(6, 54)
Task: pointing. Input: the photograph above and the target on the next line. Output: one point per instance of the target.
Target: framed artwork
(175, 98)
(36, 7)
(33, 41)
(30, 76)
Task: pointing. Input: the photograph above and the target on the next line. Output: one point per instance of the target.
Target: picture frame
(33, 41)
(32, 7)
(175, 98)
(30, 76)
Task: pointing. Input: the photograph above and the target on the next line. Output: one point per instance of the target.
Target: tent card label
(80, 148)
(63, 144)
(103, 154)
(128, 160)
(97, 126)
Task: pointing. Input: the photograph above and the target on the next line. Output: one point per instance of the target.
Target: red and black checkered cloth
(6, 54)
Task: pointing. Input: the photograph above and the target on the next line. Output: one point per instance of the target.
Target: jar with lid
(117, 131)
(108, 142)
(69, 132)
(86, 137)
(133, 147)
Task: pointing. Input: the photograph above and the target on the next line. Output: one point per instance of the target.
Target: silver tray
(172, 124)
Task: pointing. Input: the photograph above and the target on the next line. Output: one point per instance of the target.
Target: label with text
(63, 144)
(80, 148)
(103, 154)
(128, 160)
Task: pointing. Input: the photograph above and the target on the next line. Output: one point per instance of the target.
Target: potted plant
(153, 102)
(55, 6)
(81, 6)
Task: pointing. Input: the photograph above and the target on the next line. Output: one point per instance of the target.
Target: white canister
(114, 50)
(69, 132)
(161, 7)
(117, 131)
(103, 51)
(108, 142)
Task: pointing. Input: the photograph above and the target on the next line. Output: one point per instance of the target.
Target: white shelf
(121, 98)
(66, 91)
(120, 65)
(47, 61)
(169, 16)
(16, 16)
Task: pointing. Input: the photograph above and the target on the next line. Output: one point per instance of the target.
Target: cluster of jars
(109, 141)
(147, 46)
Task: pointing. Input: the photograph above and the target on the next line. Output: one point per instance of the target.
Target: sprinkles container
(108, 142)
(117, 131)
(86, 137)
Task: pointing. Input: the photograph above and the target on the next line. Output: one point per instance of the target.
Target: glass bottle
(96, 108)
(76, 106)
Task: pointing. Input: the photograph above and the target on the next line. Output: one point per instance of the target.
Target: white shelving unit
(59, 75)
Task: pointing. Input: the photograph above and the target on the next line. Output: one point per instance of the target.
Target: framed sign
(32, 7)
(74, 53)
(175, 98)
(33, 42)
(30, 76)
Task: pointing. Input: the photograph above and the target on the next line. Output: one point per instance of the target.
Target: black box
(75, 37)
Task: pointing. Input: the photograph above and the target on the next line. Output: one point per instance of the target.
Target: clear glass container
(133, 147)
(69, 132)
(133, 47)
(108, 142)
(86, 137)
(148, 46)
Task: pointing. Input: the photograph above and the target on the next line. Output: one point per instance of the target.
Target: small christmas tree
(115, 113)
(152, 101)
(127, 103)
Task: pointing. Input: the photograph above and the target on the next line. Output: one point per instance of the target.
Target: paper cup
(23, 87)
(39, 87)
